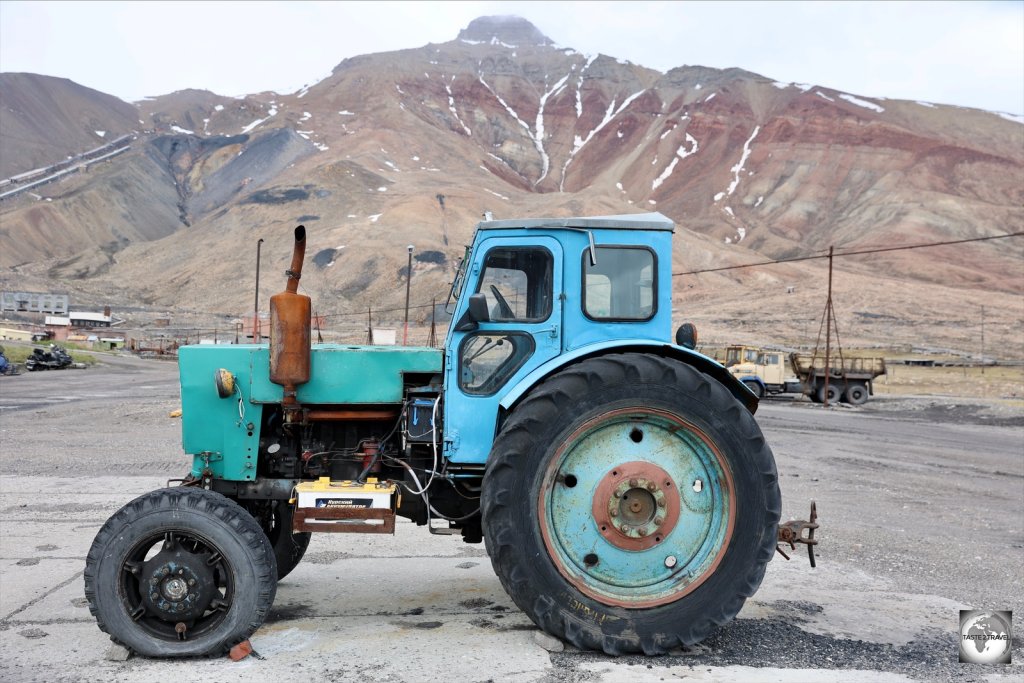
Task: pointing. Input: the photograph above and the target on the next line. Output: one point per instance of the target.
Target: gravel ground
(920, 502)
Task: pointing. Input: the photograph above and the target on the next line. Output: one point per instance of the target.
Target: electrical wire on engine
(383, 443)
(426, 500)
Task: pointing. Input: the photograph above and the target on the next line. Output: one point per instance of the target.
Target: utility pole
(408, 284)
(828, 326)
(256, 303)
(432, 337)
(983, 340)
(444, 219)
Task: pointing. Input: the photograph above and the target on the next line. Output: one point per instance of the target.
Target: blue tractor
(627, 498)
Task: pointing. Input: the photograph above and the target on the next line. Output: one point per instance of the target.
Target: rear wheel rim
(637, 507)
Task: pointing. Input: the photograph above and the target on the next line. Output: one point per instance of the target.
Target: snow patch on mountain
(739, 166)
(579, 143)
(451, 107)
(861, 103)
(681, 153)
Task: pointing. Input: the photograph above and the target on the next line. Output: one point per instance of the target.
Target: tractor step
(345, 506)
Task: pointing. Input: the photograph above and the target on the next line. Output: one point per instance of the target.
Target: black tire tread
(227, 511)
(289, 548)
(856, 393)
(516, 438)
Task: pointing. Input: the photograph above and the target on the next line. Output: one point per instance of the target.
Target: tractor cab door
(521, 279)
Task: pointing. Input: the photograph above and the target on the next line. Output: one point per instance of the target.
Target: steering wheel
(504, 310)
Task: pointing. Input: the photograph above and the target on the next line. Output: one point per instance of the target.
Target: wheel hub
(177, 586)
(636, 505)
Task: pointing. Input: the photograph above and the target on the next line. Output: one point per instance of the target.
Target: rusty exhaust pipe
(290, 331)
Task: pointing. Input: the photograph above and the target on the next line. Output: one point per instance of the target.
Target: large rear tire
(180, 572)
(630, 504)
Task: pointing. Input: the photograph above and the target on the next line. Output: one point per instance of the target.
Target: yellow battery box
(345, 506)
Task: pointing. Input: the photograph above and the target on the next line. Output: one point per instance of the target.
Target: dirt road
(921, 503)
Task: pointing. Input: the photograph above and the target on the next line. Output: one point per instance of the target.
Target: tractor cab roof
(636, 221)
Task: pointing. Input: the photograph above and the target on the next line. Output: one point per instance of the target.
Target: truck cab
(765, 371)
(740, 354)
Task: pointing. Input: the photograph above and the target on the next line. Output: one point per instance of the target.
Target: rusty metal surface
(340, 520)
(290, 329)
(792, 532)
(328, 415)
(636, 505)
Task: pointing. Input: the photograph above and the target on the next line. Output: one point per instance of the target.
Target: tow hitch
(792, 532)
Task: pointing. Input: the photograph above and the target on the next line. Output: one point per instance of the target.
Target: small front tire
(180, 572)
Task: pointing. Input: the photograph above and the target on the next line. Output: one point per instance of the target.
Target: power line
(378, 310)
(849, 253)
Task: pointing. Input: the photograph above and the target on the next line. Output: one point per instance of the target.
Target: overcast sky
(964, 53)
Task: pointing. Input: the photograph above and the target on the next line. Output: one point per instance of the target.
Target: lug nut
(651, 486)
(641, 531)
(661, 502)
(634, 483)
(670, 561)
(659, 521)
(613, 512)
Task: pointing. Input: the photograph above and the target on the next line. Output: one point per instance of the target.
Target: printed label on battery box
(343, 502)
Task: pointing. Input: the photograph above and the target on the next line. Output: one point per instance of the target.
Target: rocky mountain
(44, 119)
(413, 146)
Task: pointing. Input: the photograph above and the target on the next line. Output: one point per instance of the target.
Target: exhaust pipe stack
(290, 331)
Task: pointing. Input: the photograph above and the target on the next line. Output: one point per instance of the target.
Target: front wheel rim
(637, 507)
(176, 585)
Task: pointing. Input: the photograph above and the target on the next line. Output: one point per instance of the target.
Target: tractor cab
(533, 295)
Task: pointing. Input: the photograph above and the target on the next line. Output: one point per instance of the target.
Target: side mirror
(476, 313)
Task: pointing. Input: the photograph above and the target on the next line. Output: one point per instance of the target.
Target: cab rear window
(622, 285)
